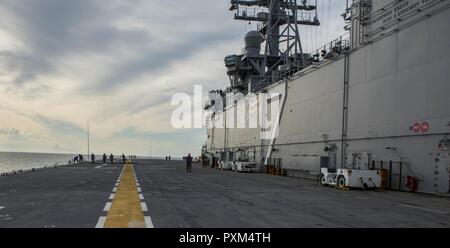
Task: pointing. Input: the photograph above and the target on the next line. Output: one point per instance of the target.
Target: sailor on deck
(189, 163)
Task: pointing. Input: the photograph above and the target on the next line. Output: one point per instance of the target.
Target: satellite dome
(253, 39)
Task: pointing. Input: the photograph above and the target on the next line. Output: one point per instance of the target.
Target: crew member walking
(203, 161)
(189, 163)
(104, 158)
(93, 158)
(111, 158)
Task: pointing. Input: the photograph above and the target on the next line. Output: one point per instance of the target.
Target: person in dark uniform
(76, 160)
(104, 158)
(189, 163)
(111, 158)
(123, 158)
(93, 158)
(203, 161)
(213, 161)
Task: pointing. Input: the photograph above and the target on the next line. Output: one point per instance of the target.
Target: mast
(278, 31)
(88, 151)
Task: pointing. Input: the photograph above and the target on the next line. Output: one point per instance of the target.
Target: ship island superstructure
(376, 97)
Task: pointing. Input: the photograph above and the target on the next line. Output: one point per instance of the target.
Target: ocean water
(12, 161)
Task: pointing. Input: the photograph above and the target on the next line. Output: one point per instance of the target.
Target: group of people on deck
(79, 159)
(211, 161)
(204, 160)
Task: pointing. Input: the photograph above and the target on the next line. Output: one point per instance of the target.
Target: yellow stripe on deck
(126, 211)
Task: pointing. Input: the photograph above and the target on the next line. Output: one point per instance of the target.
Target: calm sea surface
(10, 161)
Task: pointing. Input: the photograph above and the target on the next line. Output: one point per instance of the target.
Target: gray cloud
(53, 28)
(47, 28)
(58, 127)
(153, 60)
(12, 134)
(9, 131)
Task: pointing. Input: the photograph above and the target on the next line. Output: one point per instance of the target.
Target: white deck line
(141, 197)
(144, 207)
(114, 189)
(101, 222)
(111, 196)
(107, 207)
(148, 222)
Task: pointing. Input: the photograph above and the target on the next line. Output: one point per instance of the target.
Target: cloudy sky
(116, 63)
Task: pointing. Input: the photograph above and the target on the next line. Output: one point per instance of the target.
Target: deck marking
(126, 210)
(144, 207)
(148, 222)
(101, 222)
(141, 197)
(425, 209)
(114, 189)
(1, 207)
(107, 206)
(139, 189)
(111, 196)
